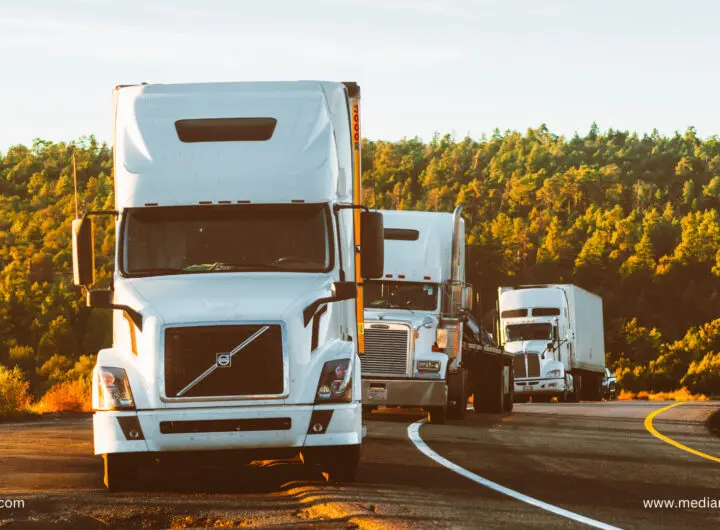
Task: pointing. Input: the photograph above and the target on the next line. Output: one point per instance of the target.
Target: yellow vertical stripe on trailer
(357, 199)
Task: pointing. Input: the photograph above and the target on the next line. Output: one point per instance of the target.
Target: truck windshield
(203, 239)
(528, 332)
(401, 295)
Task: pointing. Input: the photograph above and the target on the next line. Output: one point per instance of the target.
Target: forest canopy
(632, 218)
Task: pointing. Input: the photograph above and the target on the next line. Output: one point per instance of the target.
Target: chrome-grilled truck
(422, 347)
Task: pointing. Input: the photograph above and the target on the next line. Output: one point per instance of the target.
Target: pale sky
(451, 66)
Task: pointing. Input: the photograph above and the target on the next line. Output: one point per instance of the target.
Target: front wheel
(121, 471)
(436, 415)
(340, 462)
(574, 396)
(510, 396)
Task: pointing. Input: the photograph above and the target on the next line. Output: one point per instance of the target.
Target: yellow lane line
(652, 430)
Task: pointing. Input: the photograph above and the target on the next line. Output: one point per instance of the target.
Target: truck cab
(532, 322)
(407, 338)
(556, 333)
(236, 272)
(423, 348)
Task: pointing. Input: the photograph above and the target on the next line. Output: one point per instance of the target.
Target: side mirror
(344, 290)
(100, 298)
(550, 346)
(570, 335)
(83, 250)
(372, 245)
(467, 298)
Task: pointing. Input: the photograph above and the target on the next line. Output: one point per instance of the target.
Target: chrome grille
(533, 365)
(527, 365)
(386, 351)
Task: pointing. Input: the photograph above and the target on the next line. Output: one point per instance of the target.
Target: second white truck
(422, 347)
(556, 334)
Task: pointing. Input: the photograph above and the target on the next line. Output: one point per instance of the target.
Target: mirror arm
(344, 206)
(94, 213)
(135, 316)
(309, 311)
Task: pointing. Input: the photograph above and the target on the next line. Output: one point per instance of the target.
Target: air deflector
(225, 129)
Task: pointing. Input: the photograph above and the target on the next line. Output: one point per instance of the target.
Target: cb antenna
(77, 215)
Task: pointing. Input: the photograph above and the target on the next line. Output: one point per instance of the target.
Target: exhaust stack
(453, 298)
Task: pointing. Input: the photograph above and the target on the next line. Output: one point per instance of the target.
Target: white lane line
(414, 435)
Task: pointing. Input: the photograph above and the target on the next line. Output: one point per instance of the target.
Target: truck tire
(436, 415)
(457, 395)
(339, 462)
(481, 390)
(593, 388)
(497, 392)
(456, 410)
(574, 396)
(120, 471)
(510, 396)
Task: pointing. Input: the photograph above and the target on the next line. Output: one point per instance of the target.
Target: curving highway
(545, 465)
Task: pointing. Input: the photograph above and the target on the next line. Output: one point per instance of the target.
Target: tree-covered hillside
(632, 218)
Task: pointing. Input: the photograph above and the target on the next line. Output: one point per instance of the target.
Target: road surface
(593, 460)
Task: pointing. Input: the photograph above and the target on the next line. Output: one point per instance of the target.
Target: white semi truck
(236, 277)
(423, 348)
(556, 334)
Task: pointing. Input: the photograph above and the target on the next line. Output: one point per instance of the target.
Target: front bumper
(540, 386)
(289, 426)
(404, 392)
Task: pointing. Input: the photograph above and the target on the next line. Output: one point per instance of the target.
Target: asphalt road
(597, 460)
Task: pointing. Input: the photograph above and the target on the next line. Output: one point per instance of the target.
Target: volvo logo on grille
(224, 360)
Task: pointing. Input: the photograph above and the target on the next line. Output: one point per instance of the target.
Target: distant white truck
(556, 334)
(422, 347)
(236, 281)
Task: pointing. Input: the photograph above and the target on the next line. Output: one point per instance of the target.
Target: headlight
(428, 366)
(442, 338)
(335, 385)
(114, 389)
(554, 373)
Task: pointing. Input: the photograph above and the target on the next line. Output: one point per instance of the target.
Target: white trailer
(423, 349)
(556, 333)
(236, 272)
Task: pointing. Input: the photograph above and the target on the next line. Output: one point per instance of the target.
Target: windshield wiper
(220, 266)
(296, 259)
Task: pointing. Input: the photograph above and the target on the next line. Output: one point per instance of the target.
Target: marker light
(442, 338)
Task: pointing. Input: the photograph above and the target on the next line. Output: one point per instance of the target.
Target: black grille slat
(257, 369)
(533, 360)
(520, 366)
(386, 352)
